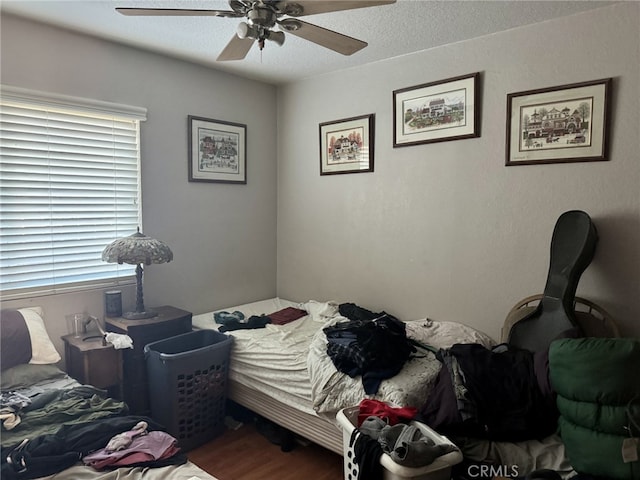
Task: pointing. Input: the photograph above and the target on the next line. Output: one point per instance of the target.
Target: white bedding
(257, 359)
(306, 378)
(333, 390)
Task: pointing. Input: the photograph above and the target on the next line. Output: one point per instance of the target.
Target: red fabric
(392, 415)
(286, 315)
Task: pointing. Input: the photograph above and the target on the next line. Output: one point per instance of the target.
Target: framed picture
(346, 146)
(436, 111)
(562, 124)
(217, 151)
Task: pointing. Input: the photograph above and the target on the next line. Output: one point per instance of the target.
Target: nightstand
(169, 322)
(91, 361)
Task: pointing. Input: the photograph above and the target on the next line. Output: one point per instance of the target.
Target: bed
(282, 372)
(44, 412)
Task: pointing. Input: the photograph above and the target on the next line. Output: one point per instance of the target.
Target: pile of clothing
(102, 444)
(500, 394)
(372, 345)
(383, 429)
(31, 412)
(11, 403)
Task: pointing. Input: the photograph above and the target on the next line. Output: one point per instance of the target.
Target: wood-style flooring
(245, 454)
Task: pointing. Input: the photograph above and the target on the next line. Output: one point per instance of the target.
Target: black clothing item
(441, 408)
(375, 349)
(276, 434)
(255, 321)
(493, 394)
(366, 454)
(52, 453)
(354, 312)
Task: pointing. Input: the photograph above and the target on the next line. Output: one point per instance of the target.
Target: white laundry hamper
(439, 469)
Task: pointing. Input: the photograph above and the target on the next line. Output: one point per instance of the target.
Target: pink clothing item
(155, 445)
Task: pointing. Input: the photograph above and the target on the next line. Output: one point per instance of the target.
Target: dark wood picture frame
(567, 123)
(437, 111)
(347, 145)
(217, 151)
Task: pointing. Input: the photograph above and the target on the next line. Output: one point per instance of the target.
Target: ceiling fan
(263, 15)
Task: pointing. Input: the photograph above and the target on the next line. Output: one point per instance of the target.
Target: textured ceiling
(391, 30)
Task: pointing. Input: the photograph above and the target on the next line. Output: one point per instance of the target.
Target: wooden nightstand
(90, 361)
(169, 322)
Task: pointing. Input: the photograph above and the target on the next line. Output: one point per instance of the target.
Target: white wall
(445, 230)
(223, 236)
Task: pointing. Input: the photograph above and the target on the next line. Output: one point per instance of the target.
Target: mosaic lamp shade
(137, 249)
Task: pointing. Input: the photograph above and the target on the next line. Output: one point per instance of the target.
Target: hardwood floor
(245, 454)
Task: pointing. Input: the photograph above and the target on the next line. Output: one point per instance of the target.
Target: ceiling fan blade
(236, 49)
(176, 12)
(312, 7)
(327, 38)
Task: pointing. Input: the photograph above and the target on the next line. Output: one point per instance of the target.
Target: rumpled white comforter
(290, 362)
(273, 360)
(333, 390)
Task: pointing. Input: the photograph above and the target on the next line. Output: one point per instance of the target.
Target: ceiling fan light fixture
(245, 30)
(276, 37)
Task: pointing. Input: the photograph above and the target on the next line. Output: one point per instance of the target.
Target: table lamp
(137, 249)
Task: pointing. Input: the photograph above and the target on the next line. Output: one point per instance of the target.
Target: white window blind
(69, 185)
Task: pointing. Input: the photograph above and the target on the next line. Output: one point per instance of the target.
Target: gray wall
(441, 230)
(445, 230)
(223, 236)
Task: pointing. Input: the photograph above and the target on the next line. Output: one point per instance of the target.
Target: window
(69, 185)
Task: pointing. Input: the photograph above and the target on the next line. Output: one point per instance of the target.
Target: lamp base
(139, 315)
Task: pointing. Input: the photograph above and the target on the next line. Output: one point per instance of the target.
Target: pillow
(18, 340)
(42, 349)
(25, 375)
(321, 311)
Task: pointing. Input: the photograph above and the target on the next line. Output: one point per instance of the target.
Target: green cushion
(598, 370)
(596, 453)
(603, 418)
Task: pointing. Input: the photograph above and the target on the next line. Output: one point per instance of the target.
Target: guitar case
(573, 246)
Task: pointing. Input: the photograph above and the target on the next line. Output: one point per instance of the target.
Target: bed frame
(311, 427)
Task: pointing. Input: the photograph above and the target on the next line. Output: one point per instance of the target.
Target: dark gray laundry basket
(188, 384)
